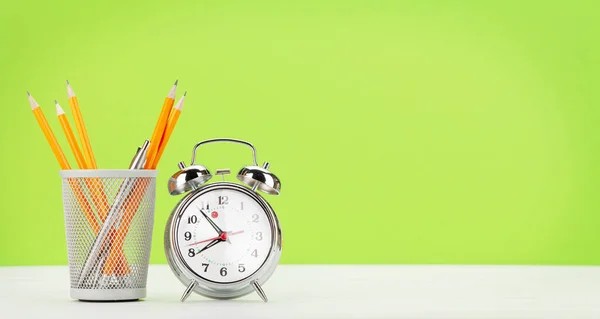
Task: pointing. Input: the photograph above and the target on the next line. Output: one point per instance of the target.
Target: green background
(439, 132)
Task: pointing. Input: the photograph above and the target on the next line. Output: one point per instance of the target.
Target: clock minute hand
(212, 223)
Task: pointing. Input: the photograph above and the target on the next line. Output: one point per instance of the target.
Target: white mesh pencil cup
(109, 216)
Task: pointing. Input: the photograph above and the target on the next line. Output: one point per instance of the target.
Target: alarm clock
(223, 239)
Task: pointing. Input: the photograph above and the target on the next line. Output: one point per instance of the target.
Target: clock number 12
(223, 200)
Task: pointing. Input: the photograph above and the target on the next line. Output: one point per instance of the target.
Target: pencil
(62, 161)
(132, 206)
(160, 126)
(66, 127)
(171, 122)
(41, 119)
(94, 184)
(81, 130)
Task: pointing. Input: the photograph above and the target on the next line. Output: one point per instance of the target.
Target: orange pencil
(62, 161)
(172, 121)
(160, 126)
(131, 207)
(94, 185)
(64, 123)
(81, 130)
(41, 119)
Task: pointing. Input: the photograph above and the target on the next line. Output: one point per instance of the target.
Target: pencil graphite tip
(70, 92)
(173, 91)
(184, 93)
(59, 110)
(32, 102)
(55, 102)
(176, 81)
(179, 104)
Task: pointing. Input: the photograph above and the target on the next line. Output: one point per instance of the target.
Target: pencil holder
(109, 216)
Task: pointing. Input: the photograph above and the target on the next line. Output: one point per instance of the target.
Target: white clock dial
(224, 236)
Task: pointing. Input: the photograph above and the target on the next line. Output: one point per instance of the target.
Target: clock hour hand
(212, 243)
(212, 223)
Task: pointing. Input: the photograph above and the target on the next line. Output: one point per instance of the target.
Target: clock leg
(259, 291)
(188, 290)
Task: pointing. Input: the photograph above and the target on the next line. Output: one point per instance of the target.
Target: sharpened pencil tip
(171, 94)
(179, 104)
(55, 102)
(59, 110)
(32, 102)
(184, 93)
(70, 92)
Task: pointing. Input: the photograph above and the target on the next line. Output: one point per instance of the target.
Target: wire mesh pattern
(121, 260)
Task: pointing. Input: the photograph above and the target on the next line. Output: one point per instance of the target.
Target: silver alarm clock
(223, 239)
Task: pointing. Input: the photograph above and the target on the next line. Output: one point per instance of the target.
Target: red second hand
(223, 236)
(203, 241)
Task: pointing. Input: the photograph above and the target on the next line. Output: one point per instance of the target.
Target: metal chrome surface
(260, 178)
(259, 291)
(223, 171)
(188, 290)
(135, 158)
(139, 159)
(212, 289)
(187, 179)
(230, 140)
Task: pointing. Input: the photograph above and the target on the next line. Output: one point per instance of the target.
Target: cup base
(108, 294)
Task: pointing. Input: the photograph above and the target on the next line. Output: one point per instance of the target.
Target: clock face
(224, 235)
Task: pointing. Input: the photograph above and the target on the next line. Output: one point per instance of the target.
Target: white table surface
(330, 292)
